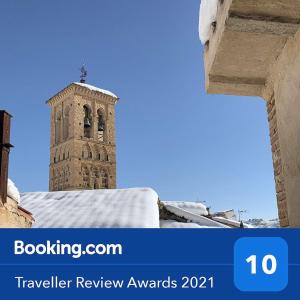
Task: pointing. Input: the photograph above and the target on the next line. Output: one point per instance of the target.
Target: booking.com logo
(58, 248)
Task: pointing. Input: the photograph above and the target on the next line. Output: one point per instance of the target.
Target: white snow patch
(96, 89)
(193, 218)
(174, 224)
(12, 191)
(207, 15)
(260, 223)
(193, 207)
(127, 208)
(231, 222)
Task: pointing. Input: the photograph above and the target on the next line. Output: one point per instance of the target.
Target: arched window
(96, 155)
(87, 121)
(85, 176)
(57, 128)
(55, 159)
(60, 155)
(104, 155)
(59, 180)
(101, 124)
(104, 179)
(95, 178)
(87, 152)
(66, 122)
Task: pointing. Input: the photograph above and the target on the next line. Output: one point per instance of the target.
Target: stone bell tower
(82, 149)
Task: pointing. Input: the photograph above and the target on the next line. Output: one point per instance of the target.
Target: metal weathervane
(83, 74)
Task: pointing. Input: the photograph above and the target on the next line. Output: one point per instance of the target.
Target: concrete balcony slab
(248, 38)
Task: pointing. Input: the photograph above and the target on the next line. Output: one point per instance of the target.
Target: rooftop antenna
(241, 212)
(208, 208)
(83, 74)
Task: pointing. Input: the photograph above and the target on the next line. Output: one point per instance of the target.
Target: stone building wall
(277, 164)
(78, 161)
(13, 216)
(282, 92)
(254, 50)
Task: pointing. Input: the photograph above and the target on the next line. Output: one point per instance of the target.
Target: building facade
(253, 49)
(82, 146)
(12, 215)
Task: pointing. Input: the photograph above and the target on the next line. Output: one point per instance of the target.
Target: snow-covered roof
(127, 208)
(193, 218)
(12, 191)
(193, 207)
(174, 224)
(231, 222)
(119, 208)
(207, 15)
(95, 89)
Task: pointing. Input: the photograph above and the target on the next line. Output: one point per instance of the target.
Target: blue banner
(135, 263)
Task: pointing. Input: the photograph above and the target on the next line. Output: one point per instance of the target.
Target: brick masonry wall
(66, 160)
(11, 216)
(277, 163)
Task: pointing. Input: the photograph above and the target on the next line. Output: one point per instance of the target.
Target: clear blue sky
(171, 136)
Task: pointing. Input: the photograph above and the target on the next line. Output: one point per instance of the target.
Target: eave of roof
(86, 87)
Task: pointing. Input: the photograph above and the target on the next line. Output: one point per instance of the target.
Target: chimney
(4, 153)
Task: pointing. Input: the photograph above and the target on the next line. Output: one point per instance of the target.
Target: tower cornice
(83, 90)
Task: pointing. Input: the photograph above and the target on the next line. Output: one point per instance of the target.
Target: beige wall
(12, 216)
(284, 86)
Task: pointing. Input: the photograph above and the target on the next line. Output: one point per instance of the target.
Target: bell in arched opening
(87, 122)
(101, 125)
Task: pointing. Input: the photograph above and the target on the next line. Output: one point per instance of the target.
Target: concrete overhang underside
(248, 38)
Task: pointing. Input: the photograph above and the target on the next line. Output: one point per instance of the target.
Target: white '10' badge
(266, 269)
